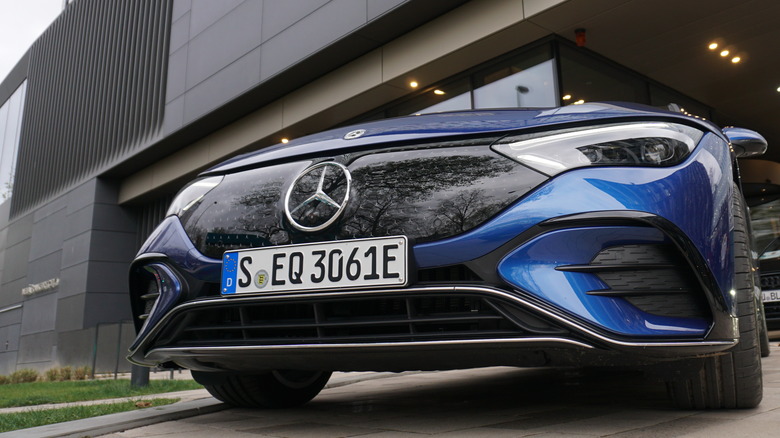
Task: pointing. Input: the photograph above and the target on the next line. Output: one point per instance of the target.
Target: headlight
(192, 194)
(627, 144)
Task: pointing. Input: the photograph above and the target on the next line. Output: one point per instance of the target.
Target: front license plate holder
(343, 264)
(770, 296)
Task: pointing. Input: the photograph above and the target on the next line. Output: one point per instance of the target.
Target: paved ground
(492, 402)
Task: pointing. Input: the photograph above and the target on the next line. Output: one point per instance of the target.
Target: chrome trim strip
(427, 289)
(375, 345)
(10, 308)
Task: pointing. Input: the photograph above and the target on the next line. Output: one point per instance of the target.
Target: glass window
(448, 97)
(527, 80)
(663, 97)
(765, 221)
(10, 129)
(587, 79)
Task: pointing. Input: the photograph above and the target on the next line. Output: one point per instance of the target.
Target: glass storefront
(551, 72)
(10, 129)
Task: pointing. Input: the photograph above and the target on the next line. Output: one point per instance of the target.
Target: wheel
(732, 379)
(274, 389)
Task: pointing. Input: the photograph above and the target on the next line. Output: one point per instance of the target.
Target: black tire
(270, 390)
(732, 379)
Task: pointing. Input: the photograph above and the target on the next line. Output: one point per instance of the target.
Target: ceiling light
(724, 53)
(438, 92)
(413, 84)
(735, 60)
(566, 97)
(778, 89)
(285, 140)
(579, 102)
(713, 46)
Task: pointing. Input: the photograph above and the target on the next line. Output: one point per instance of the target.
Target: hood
(442, 125)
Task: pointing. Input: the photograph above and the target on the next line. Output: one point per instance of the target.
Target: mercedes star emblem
(354, 134)
(318, 196)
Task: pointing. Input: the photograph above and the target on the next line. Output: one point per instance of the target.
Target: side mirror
(746, 143)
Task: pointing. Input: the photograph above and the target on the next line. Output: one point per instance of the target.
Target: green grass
(36, 393)
(40, 417)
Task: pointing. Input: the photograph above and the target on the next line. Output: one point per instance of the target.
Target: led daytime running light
(631, 144)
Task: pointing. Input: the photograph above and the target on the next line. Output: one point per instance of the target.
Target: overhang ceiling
(667, 41)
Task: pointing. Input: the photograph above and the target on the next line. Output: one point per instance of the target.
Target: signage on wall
(43, 286)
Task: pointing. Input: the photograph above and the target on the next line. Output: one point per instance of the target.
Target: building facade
(118, 104)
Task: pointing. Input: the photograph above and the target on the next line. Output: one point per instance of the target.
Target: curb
(118, 422)
(121, 421)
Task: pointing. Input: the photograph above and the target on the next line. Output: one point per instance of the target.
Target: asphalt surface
(489, 402)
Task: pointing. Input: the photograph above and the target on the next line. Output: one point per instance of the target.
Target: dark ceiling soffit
(15, 78)
(374, 34)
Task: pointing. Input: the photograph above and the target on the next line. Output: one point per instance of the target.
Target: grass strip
(41, 417)
(37, 393)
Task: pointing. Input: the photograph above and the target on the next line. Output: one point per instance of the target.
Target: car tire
(732, 379)
(270, 390)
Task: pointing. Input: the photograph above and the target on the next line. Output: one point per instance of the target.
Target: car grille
(771, 309)
(405, 318)
(425, 192)
(655, 278)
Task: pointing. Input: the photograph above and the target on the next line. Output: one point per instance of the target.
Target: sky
(21, 23)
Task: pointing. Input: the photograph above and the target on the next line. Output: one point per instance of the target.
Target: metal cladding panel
(96, 92)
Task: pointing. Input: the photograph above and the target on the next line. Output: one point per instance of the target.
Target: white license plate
(359, 263)
(770, 295)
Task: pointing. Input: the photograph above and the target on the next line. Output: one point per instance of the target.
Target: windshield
(765, 220)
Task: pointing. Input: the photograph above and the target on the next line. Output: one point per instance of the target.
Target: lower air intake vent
(654, 278)
(355, 320)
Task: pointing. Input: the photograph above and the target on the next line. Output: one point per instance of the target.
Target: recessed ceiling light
(713, 46)
(735, 60)
(579, 102)
(413, 84)
(724, 53)
(566, 97)
(439, 92)
(285, 140)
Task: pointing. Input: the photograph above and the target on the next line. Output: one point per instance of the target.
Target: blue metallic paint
(531, 268)
(430, 126)
(702, 212)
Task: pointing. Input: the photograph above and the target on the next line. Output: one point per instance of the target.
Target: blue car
(587, 235)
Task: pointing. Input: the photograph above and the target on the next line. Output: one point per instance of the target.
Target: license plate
(359, 263)
(770, 295)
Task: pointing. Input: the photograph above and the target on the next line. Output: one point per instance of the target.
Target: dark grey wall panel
(375, 8)
(96, 89)
(229, 82)
(207, 12)
(45, 268)
(36, 348)
(317, 30)
(106, 308)
(226, 40)
(80, 347)
(278, 16)
(8, 361)
(37, 312)
(69, 314)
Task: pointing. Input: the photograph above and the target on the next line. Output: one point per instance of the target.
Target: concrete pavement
(490, 402)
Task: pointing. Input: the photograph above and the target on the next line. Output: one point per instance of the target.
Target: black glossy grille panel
(447, 274)
(772, 311)
(370, 320)
(424, 192)
(770, 281)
